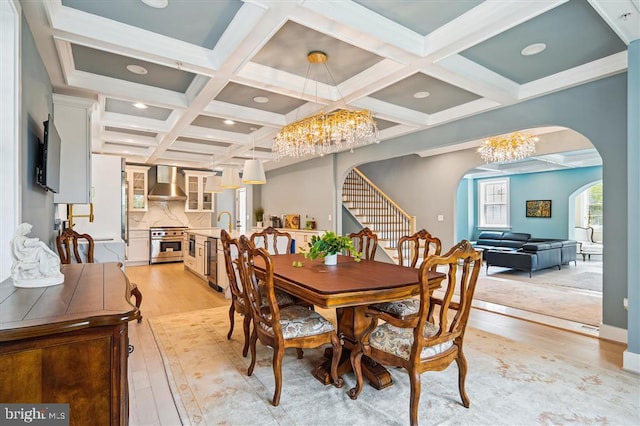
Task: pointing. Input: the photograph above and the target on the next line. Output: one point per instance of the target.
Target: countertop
(91, 295)
(211, 232)
(215, 232)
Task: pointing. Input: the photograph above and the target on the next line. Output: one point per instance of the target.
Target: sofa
(518, 250)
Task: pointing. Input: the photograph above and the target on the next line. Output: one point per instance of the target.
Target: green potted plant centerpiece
(259, 217)
(328, 245)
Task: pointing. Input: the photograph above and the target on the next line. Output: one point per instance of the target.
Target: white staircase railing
(375, 210)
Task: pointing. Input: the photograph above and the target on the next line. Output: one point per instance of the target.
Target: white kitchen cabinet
(106, 196)
(303, 238)
(138, 247)
(72, 118)
(137, 181)
(198, 200)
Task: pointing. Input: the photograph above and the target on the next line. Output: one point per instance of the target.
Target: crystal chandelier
(325, 132)
(501, 149)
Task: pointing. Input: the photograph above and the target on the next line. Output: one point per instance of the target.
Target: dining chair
(274, 241)
(69, 240)
(239, 302)
(294, 326)
(412, 251)
(366, 242)
(419, 345)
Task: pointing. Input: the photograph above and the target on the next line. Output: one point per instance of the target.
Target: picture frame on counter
(292, 221)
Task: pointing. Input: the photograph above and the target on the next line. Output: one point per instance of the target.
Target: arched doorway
(572, 295)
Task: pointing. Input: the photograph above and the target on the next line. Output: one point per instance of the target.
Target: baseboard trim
(609, 332)
(631, 362)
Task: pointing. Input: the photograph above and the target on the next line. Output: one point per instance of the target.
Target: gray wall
(37, 204)
(306, 188)
(633, 176)
(597, 110)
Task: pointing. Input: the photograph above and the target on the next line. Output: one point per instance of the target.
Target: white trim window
(493, 203)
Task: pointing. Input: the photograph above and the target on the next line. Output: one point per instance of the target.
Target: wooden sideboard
(69, 343)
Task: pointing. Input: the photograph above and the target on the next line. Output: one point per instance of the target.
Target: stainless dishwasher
(211, 269)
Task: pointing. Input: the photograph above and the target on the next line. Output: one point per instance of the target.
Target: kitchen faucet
(230, 222)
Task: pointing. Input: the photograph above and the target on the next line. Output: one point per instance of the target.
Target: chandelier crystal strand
(325, 132)
(514, 146)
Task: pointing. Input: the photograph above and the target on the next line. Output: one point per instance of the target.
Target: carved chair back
(230, 249)
(274, 241)
(417, 247)
(366, 242)
(68, 241)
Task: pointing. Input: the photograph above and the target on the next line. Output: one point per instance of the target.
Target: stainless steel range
(166, 243)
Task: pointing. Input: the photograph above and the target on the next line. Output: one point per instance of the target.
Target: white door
(241, 210)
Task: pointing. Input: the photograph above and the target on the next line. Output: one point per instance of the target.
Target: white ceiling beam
(466, 74)
(104, 34)
(597, 69)
(484, 21)
(124, 121)
(623, 16)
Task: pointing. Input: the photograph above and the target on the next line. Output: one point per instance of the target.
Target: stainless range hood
(166, 188)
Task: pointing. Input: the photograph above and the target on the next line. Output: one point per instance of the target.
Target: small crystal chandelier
(325, 132)
(501, 149)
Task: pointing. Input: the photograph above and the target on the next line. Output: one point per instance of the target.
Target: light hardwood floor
(168, 289)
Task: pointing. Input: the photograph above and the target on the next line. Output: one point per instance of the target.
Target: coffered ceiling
(415, 64)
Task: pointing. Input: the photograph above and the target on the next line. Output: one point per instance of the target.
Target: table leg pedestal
(378, 376)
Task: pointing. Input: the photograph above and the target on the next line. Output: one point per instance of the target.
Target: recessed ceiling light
(533, 49)
(261, 99)
(137, 69)
(229, 122)
(158, 4)
(421, 95)
(140, 105)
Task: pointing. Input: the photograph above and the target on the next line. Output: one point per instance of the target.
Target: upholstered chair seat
(299, 321)
(283, 299)
(398, 341)
(400, 309)
(412, 251)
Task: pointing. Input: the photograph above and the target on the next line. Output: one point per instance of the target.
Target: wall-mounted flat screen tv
(48, 167)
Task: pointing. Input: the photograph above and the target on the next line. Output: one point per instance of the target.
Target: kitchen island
(204, 257)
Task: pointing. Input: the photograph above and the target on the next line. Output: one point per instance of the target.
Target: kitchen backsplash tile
(169, 213)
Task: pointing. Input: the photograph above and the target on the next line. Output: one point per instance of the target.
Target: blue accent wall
(556, 186)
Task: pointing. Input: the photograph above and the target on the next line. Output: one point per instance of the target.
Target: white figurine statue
(34, 264)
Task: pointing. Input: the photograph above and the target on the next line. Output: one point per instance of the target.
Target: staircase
(375, 210)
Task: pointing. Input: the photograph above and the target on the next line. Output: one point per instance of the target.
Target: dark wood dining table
(349, 287)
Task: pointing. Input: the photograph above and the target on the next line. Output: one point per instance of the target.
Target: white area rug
(508, 384)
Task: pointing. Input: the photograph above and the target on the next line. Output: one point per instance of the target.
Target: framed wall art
(538, 208)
